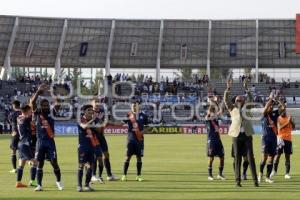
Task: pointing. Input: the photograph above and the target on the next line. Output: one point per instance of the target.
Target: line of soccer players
(276, 139)
(33, 136)
(91, 142)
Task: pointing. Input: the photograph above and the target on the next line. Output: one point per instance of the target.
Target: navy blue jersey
(269, 123)
(85, 139)
(142, 120)
(98, 129)
(13, 120)
(24, 128)
(212, 127)
(41, 130)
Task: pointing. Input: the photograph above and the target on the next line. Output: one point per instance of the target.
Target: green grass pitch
(174, 167)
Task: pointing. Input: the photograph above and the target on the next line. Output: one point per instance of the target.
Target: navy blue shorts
(243, 151)
(287, 148)
(98, 151)
(14, 141)
(215, 148)
(45, 150)
(85, 155)
(269, 147)
(25, 152)
(103, 143)
(135, 148)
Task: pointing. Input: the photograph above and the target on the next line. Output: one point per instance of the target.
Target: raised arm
(34, 98)
(249, 93)
(281, 104)
(267, 106)
(227, 99)
(85, 125)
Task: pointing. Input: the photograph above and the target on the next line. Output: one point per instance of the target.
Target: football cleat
(287, 176)
(79, 189)
(124, 178)
(38, 188)
(112, 178)
(88, 189)
(94, 179)
(139, 178)
(20, 185)
(33, 183)
(269, 180)
(59, 185)
(221, 177)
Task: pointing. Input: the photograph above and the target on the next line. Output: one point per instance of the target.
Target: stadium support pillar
(208, 49)
(6, 70)
(57, 73)
(110, 43)
(161, 32)
(256, 51)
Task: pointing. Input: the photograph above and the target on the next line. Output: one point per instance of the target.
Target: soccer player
(26, 152)
(214, 143)
(88, 143)
(98, 111)
(269, 139)
(285, 125)
(14, 134)
(45, 147)
(136, 122)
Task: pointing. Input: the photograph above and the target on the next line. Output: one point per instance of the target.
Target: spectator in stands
(205, 79)
(267, 80)
(261, 78)
(288, 85)
(273, 81)
(284, 85)
(243, 78)
(161, 87)
(296, 84)
(253, 89)
(150, 88)
(294, 99)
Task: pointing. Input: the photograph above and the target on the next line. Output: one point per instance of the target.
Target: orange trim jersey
(89, 134)
(284, 128)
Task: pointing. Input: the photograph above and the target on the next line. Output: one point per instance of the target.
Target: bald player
(241, 131)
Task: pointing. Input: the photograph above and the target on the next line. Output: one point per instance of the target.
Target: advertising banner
(71, 129)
